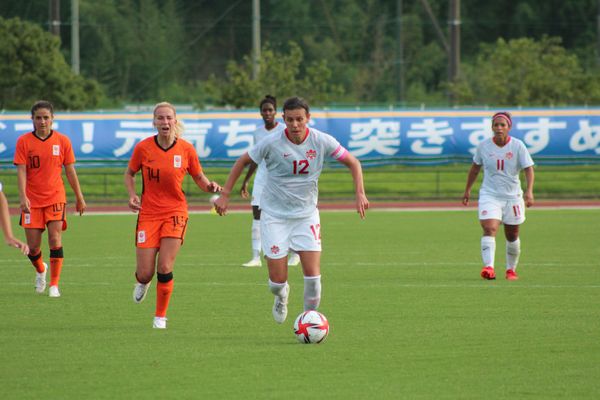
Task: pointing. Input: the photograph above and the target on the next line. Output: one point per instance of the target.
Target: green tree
(281, 74)
(33, 68)
(524, 72)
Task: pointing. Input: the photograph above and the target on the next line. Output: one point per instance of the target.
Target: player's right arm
(22, 183)
(223, 201)
(134, 201)
(471, 178)
(244, 189)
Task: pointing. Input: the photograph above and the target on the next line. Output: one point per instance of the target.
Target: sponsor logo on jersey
(177, 161)
(285, 155)
(56, 150)
(311, 154)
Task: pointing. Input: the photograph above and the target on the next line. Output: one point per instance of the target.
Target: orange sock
(163, 295)
(56, 262)
(37, 261)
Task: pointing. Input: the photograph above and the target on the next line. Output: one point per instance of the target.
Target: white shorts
(279, 235)
(510, 212)
(257, 189)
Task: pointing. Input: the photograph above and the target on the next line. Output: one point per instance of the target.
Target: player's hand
(80, 206)
(528, 198)
(221, 204)
(244, 190)
(135, 204)
(25, 205)
(12, 242)
(362, 204)
(465, 199)
(213, 187)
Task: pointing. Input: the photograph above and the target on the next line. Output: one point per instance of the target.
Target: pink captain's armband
(339, 153)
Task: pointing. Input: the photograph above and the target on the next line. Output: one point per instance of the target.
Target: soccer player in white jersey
(9, 238)
(268, 110)
(290, 218)
(501, 199)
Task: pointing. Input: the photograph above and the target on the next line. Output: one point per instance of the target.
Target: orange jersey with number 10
(162, 173)
(44, 159)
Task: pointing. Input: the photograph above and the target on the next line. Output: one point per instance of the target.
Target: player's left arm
(205, 184)
(74, 182)
(362, 203)
(529, 178)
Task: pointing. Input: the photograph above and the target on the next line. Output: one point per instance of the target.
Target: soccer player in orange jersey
(39, 157)
(163, 160)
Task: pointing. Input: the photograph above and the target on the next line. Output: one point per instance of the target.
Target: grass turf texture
(410, 317)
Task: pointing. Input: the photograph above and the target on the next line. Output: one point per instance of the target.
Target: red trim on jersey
(507, 141)
(287, 134)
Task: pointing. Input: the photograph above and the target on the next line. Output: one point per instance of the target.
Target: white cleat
(139, 291)
(40, 280)
(53, 291)
(293, 259)
(280, 306)
(255, 262)
(160, 323)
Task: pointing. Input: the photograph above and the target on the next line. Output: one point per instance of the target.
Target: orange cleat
(511, 275)
(488, 273)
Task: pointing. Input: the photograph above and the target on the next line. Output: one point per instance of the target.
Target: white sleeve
(525, 159)
(258, 151)
(0, 186)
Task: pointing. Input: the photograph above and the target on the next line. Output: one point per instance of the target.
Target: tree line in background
(333, 52)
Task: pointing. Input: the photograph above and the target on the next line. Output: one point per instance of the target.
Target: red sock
(163, 295)
(37, 261)
(56, 262)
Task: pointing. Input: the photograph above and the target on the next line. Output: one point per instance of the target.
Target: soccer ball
(311, 327)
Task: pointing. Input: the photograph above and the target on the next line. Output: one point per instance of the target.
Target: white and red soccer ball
(311, 327)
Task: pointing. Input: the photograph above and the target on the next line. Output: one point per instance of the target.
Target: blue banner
(560, 135)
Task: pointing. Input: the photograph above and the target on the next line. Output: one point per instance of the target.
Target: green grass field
(410, 317)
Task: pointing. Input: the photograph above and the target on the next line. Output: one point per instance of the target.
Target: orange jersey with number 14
(162, 173)
(44, 159)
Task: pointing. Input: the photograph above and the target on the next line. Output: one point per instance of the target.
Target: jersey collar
(159, 146)
(44, 139)
(287, 134)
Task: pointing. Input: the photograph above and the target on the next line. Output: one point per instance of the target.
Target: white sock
(513, 251)
(488, 250)
(278, 289)
(255, 239)
(312, 292)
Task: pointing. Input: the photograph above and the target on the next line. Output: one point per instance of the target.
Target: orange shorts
(148, 233)
(38, 218)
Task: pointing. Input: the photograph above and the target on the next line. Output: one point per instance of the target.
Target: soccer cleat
(511, 275)
(139, 291)
(488, 273)
(293, 259)
(53, 291)
(160, 323)
(40, 280)
(280, 306)
(255, 262)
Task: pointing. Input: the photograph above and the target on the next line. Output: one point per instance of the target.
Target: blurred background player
(163, 160)
(290, 218)
(39, 157)
(7, 228)
(501, 199)
(268, 110)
